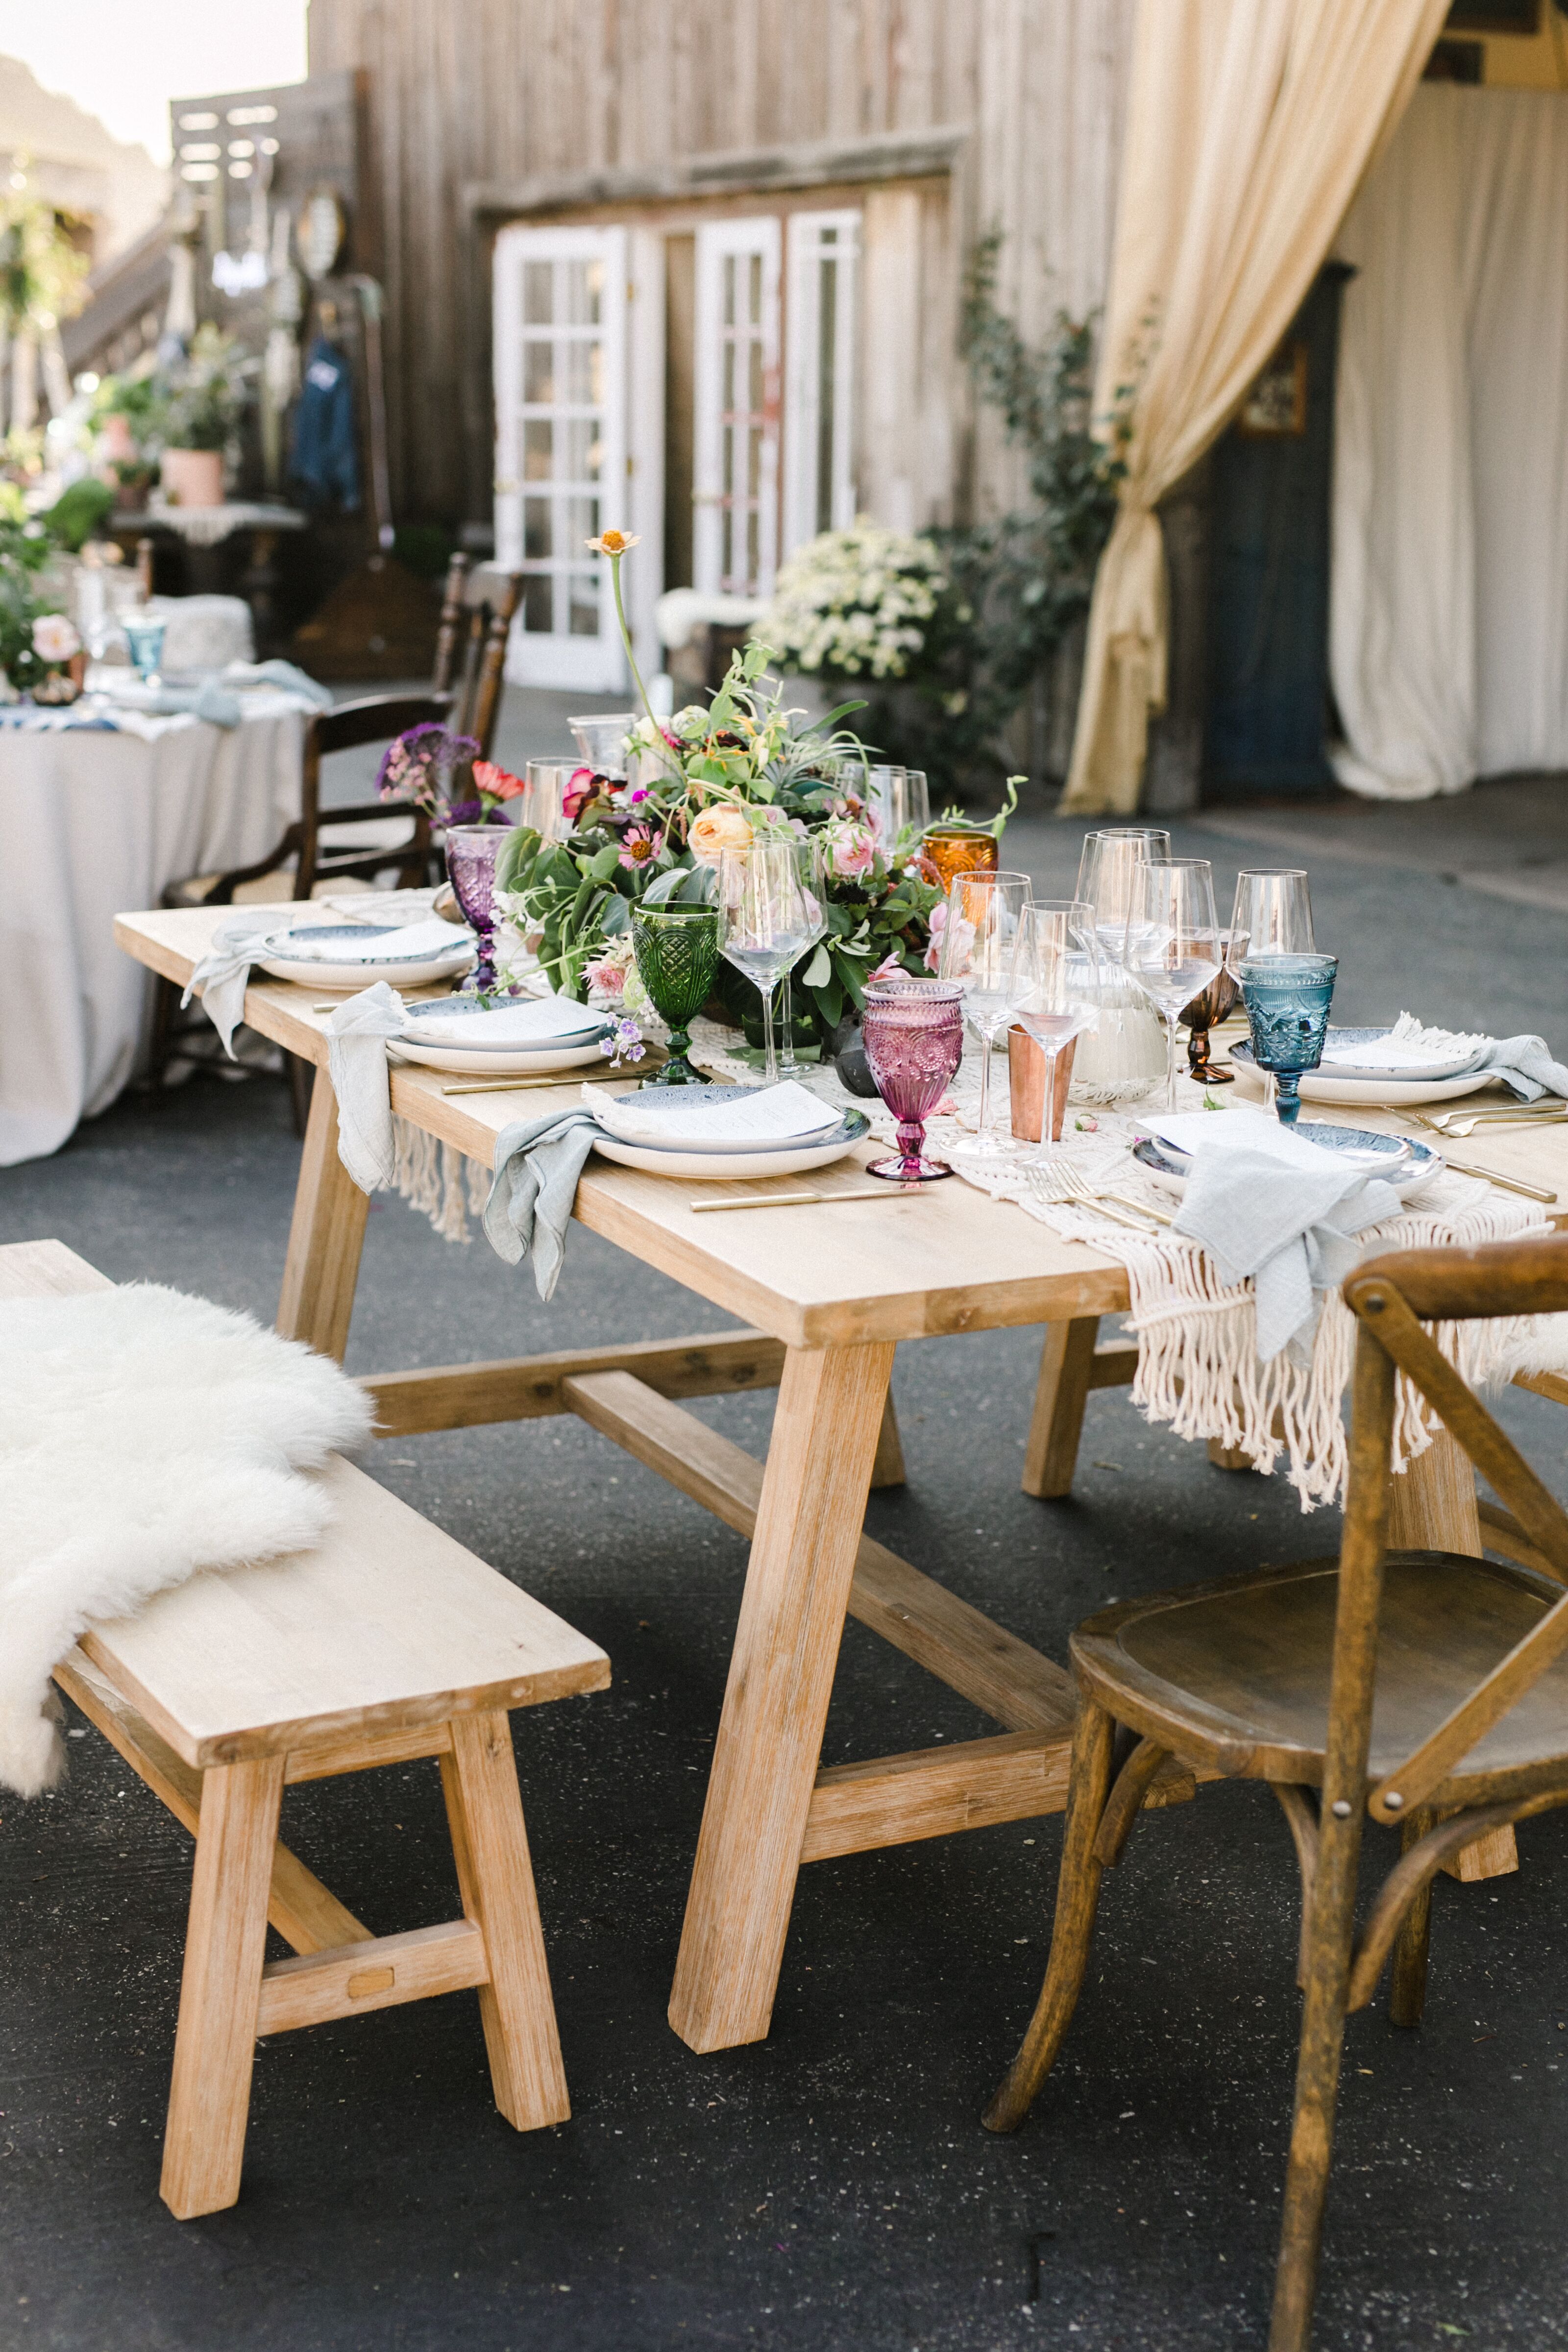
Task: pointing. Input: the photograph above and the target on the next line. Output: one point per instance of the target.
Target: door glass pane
(538, 300)
(536, 603)
(584, 374)
(537, 435)
(539, 374)
(585, 622)
(536, 532)
(584, 450)
(581, 524)
(585, 287)
(729, 289)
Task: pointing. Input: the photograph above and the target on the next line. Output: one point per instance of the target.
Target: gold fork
(1059, 1181)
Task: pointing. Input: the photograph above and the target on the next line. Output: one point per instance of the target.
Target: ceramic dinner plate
(731, 1167)
(466, 1062)
(1399, 1161)
(1370, 1086)
(402, 971)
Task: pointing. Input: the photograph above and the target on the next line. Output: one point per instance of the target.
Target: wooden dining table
(825, 1293)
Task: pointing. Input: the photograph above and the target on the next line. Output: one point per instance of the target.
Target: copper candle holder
(1026, 1086)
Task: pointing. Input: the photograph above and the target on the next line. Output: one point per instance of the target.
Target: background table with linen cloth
(97, 815)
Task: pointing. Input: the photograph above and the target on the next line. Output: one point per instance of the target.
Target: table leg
(1434, 1509)
(1067, 1369)
(781, 1678)
(325, 1237)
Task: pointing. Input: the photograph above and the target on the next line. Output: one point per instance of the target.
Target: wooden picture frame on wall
(1275, 408)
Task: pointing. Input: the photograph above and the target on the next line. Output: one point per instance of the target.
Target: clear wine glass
(815, 874)
(977, 943)
(1272, 915)
(771, 914)
(1173, 945)
(1108, 870)
(1054, 988)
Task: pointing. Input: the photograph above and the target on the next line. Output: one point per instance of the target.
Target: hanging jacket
(324, 462)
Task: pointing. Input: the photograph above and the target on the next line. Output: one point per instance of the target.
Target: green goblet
(676, 951)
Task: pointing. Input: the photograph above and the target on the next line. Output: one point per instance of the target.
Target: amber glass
(956, 849)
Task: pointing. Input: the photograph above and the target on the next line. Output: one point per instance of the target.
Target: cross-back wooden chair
(1425, 1690)
(478, 609)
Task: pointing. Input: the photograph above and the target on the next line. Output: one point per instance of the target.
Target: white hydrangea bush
(854, 602)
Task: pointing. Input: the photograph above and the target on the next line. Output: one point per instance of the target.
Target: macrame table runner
(1197, 1359)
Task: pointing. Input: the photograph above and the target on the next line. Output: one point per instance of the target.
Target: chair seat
(1235, 1674)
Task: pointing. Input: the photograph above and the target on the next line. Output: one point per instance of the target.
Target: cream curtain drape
(1446, 645)
(1250, 124)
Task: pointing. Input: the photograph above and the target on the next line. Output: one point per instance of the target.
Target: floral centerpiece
(696, 783)
(426, 764)
(37, 643)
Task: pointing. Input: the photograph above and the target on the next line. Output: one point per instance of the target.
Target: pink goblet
(913, 1035)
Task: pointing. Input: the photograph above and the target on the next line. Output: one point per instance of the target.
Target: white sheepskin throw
(143, 1435)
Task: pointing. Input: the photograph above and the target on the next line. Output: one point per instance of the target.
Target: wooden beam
(887, 1469)
(1114, 1366)
(305, 1913)
(365, 1751)
(1056, 1425)
(530, 1388)
(933, 1791)
(1003, 1676)
(377, 1975)
(806, 163)
(325, 1238)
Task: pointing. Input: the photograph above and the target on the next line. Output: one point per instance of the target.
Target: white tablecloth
(93, 825)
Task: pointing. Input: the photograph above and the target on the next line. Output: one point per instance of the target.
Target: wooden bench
(389, 1642)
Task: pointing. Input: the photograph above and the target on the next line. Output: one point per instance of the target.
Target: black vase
(847, 1047)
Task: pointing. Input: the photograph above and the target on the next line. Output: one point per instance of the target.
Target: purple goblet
(913, 1035)
(471, 853)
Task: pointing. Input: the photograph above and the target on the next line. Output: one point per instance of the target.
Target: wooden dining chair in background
(1425, 1689)
(328, 849)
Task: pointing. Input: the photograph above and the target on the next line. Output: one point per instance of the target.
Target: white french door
(824, 260)
(735, 456)
(561, 446)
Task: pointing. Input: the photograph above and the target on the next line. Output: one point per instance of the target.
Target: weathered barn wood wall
(491, 95)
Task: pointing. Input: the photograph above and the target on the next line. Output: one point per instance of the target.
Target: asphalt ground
(829, 2191)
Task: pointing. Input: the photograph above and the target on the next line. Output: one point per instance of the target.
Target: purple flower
(413, 760)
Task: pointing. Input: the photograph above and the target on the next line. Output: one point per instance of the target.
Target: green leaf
(819, 969)
(601, 867)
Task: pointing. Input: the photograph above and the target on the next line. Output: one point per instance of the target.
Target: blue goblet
(1287, 999)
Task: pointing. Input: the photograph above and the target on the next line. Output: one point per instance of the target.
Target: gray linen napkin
(285, 673)
(357, 1032)
(223, 973)
(536, 1164)
(1290, 1228)
(1525, 1066)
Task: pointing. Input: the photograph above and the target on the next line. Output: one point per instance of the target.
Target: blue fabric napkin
(536, 1164)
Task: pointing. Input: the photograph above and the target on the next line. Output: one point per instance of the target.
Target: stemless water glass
(1107, 869)
(1173, 945)
(913, 1034)
(771, 914)
(144, 636)
(977, 942)
(1055, 988)
(899, 804)
(547, 782)
(1287, 999)
(1272, 915)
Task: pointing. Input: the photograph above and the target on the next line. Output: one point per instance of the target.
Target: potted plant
(203, 401)
(127, 411)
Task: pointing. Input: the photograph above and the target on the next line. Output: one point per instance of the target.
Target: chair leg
(887, 1469)
(1407, 1992)
(495, 1876)
(165, 1001)
(1078, 1899)
(220, 1991)
(1317, 2079)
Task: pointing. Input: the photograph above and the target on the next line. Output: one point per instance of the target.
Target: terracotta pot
(1026, 1085)
(192, 477)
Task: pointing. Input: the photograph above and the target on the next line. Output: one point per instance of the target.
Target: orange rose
(723, 826)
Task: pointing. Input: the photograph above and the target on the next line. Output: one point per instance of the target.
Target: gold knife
(1508, 1183)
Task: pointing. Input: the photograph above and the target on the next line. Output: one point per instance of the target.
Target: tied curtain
(1447, 649)
(1250, 124)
